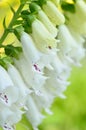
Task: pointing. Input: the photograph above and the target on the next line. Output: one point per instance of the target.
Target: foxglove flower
(21, 86)
(30, 51)
(36, 58)
(43, 39)
(31, 74)
(78, 23)
(73, 51)
(9, 118)
(7, 89)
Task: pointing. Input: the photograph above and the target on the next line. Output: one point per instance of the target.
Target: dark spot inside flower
(7, 127)
(36, 67)
(49, 47)
(4, 97)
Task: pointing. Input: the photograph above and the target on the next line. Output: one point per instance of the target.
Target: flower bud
(44, 19)
(53, 13)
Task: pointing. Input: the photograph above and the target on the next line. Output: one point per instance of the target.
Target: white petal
(18, 81)
(4, 114)
(30, 51)
(9, 95)
(16, 115)
(33, 114)
(5, 80)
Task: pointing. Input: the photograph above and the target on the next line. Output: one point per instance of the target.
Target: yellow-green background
(69, 113)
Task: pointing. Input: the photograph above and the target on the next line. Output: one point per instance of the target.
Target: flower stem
(6, 31)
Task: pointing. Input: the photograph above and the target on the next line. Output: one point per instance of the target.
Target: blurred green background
(69, 113)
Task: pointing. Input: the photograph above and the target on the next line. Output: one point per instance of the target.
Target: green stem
(16, 15)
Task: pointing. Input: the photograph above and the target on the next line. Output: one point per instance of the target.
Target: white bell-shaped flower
(9, 95)
(43, 39)
(8, 92)
(9, 116)
(30, 51)
(31, 74)
(19, 83)
(69, 46)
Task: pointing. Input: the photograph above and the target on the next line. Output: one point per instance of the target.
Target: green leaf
(23, 1)
(68, 7)
(7, 60)
(4, 23)
(12, 51)
(74, 1)
(12, 9)
(4, 61)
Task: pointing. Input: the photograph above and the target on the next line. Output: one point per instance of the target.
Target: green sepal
(41, 2)
(30, 19)
(34, 7)
(24, 14)
(27, 28)
(5, 61)
(18, 31)
(68, 7)
(2, 63)
(12, 51)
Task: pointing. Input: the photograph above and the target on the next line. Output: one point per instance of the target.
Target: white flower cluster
(42, 71)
